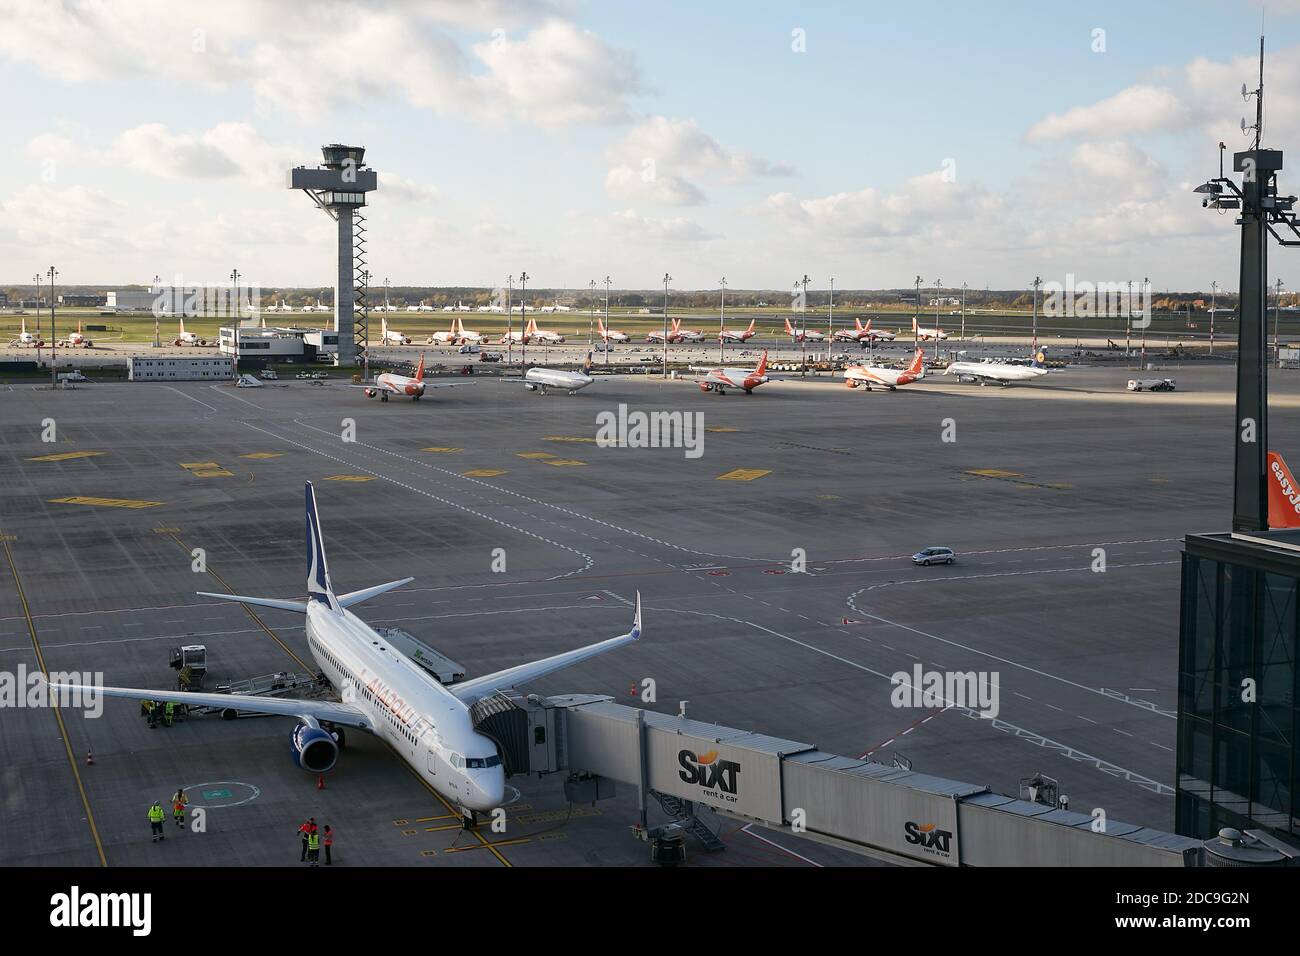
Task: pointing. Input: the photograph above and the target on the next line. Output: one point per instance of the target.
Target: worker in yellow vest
(313, 848)
(169, 711)
(156, 821)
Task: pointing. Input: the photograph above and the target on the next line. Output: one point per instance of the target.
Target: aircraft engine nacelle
(851, 383)
(705, 387)
(178, 342)
(313, 749)
(371, 392)
(530, 386)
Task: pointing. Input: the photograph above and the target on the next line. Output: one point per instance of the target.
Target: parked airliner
(26, 339)
(868, 375)
(540, 379)
(391, 337)
(188, 338)
(737, 335)
(545, 336)
(610, 335)
(927, 335)
(1002, 373)
(805, 334)
(718, 380)
(383, 691)
(390, 383)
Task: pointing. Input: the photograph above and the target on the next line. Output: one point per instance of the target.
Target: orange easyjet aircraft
(1283, 494)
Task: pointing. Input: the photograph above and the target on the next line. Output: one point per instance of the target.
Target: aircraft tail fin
(1040, 359)
(918, 363)
(419, 369)
(318, 572)
(1283, 494)
(750, 330)
(586, 366)
(762, 364)
(787, 326)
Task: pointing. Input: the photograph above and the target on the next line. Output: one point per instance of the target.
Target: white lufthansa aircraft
(384, 692)
(1001, 373)
(540, 379)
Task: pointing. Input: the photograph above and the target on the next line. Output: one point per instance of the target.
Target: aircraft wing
(429, 384)
(473, 690)
(281, 706)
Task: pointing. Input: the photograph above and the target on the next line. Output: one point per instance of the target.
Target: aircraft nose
(489, 789)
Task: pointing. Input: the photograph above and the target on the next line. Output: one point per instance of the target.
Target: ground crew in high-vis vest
(179, 799)
(156, 821)
(168, 711)
(150, 711)
(313, 848)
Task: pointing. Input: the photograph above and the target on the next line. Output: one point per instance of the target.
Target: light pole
(963, 313)
(510, 342)
(830, 325)
(54, 379)
(1142, 359)
(1214, 301)
(523, 320)
(1034, 344)
(1128, 327)
(803, 332)
(234, 281)
(606, 320)
(938, 285)
(157, 343)
(38, 320)
(722, 323)
(591, 319)
(667, 279)
(1277, 307)
(916, 320)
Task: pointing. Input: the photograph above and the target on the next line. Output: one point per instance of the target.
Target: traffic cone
(320, 781)
(90, 758)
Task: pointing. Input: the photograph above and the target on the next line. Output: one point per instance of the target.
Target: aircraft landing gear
(893, 388)
(383, 396)
(468, 819)
(415, 398)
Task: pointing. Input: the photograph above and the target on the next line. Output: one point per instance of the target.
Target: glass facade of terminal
(1237, 762)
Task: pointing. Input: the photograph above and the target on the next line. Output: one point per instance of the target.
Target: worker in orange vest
(329, 842)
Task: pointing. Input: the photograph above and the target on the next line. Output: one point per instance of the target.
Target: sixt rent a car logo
(1288, 490)
(714, 775)
(929, 837)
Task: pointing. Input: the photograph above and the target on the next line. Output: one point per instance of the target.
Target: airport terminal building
(1238, 764)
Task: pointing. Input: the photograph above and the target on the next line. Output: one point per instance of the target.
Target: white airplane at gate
(718, 380)
(611, 335)
(26, 339)
(805, 334)
(685, 335)
(390, 336)
(188, 338)
(864, 376)
(384, 692)
(390, 383)
(540, 379)
(464, 336)
(445, 338)
(1001, 373)
(927, 335)
(860, 333)
(545, 336)
(737, 335)
(77, 338)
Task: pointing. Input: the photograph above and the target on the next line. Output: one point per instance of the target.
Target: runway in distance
(1001, 373)
(383, 692)
(864, 376)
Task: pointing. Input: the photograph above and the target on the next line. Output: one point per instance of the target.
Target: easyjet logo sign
(1284, 485)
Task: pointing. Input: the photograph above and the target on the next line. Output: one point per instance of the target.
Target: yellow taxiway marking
(721, 428)
(58, 711)
(563, 462)
(166, 530)
(67, 456)
(105, 502)
(993, 473)
(263, 454)
(206, 469)
(534, 454)
(440, 449)
(829, 497)
(350, 478)
(489, 846)
(573, 438)
(428, 853)
(744, 474)
(483, 473)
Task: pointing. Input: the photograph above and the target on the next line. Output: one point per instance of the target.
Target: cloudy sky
(978, 143)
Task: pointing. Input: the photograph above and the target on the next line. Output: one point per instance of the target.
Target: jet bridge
(887, 812)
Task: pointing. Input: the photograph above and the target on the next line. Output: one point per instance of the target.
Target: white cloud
(1137, 109)
(407, 190)
(631, 225)
(653, 161)
(311, 58)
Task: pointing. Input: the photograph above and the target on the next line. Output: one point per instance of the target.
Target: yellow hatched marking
(440, 449)
(483, 473)
(721, 428)
(744, 474)
(67, 456)
(563, 462)
(350, 478)
(105, 502)
(829, 497)
(573, 438)
(535, 454)
(206, 469)
(263, 454)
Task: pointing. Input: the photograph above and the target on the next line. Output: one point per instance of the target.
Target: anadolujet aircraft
(383, 692)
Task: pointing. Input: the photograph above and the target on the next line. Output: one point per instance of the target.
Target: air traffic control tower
(339, 186)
